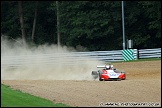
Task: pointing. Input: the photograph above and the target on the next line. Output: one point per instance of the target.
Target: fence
(75, 57)
(149, 53)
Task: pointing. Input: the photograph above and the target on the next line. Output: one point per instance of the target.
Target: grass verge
(139, 60)
(16, 98)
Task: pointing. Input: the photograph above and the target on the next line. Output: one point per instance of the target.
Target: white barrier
(149, 53)
(73, 58)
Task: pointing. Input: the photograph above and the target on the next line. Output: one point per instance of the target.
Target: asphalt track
(142, 87)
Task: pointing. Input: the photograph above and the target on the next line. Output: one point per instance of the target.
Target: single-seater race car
(108, 73)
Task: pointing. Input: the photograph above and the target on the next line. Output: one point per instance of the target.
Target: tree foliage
(95, 25)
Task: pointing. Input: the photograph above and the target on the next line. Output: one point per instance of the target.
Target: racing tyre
(94, 74)
(100, 72)
(100, 79)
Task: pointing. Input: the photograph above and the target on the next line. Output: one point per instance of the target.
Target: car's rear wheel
(94, 74)
(100, 72)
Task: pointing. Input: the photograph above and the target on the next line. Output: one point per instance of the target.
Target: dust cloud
(44, 62)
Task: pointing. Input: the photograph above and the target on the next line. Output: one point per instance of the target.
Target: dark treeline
(94, 25)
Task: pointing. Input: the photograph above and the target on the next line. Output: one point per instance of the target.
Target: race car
(108, 73)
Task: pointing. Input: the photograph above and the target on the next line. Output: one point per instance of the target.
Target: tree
(34, 22)
(22, 21)
(58, 25)
(94, 25)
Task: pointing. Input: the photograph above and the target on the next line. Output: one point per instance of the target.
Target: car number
(113, 74)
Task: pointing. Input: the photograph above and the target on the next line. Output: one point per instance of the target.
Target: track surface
(143, 85)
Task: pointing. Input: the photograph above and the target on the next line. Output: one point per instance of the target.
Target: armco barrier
(73, 57)
(149, 53)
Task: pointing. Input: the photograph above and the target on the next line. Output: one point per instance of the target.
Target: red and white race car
(108, 73)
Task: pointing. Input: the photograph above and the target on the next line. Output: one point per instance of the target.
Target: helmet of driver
(112, 66)
(108, 67)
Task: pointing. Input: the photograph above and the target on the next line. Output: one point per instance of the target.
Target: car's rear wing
(101, 66)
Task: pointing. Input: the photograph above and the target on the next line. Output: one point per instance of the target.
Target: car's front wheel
(100, 79)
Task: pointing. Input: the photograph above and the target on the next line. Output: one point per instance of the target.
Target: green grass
(139, 60)
(146, 59)
(16, 98)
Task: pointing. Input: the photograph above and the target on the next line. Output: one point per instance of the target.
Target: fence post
(135, 54)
